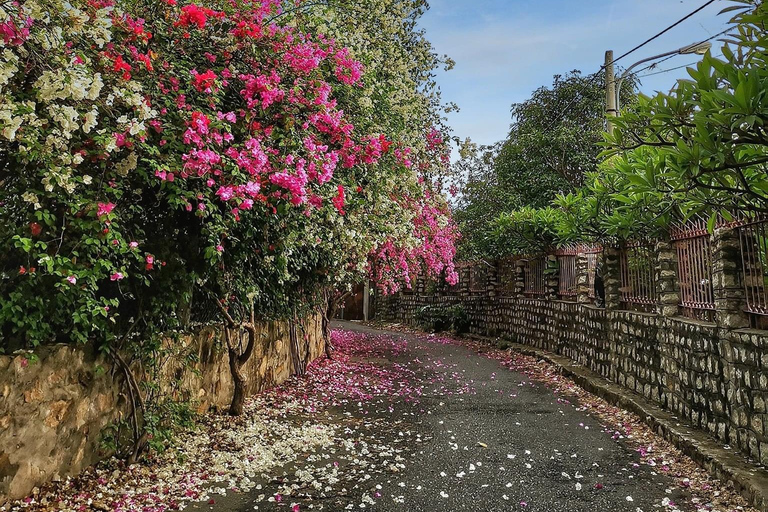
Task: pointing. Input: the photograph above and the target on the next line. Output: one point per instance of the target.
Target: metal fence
(534, 278)
(638, 276)
(567, 281)
(694, 269)
(753, 238)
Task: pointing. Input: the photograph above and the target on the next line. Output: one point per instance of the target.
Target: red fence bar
(533, 274)
(637, 261)
(753, 237)
(567, 283)
(694, 257)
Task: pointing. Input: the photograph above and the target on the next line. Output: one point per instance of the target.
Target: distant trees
(552, 146)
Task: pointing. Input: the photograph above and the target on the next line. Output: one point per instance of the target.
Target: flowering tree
(158, 156)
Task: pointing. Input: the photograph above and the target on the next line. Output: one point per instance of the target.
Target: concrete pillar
(519, 287)
(611, 271)
(464, 272)
(582, 278)
(492, 284)
(552, 278)
(729, 294)
(666, 279)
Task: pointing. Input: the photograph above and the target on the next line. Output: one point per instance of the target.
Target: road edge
(726, 465)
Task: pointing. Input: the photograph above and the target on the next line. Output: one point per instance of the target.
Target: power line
(602, 68)
(596, 75)
(653, 65)
(678, 22)
(674, 69)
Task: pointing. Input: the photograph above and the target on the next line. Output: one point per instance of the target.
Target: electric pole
(610, 90)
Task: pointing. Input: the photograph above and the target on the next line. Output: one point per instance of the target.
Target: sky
(505, 49)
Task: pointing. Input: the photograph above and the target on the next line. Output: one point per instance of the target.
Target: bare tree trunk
(327, 315)
(328, 311)
(238, 358)
(239, 380)
(298, 364)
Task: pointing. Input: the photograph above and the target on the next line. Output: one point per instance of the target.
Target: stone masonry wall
(54, 409)
(712, 373)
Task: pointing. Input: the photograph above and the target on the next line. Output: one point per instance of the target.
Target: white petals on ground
(348, 435)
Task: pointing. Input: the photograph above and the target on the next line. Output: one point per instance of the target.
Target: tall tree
(553, 144)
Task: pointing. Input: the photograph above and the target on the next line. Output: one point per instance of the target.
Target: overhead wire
(653, 65)
(596, 75)
(674, 69)
(678, 22)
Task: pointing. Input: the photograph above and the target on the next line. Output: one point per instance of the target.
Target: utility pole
(610, 90)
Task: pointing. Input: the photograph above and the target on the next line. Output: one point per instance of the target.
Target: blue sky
(504, 49)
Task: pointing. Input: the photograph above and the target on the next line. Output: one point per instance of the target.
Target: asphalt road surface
(478, 437)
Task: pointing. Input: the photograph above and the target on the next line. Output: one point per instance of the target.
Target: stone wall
(55, 407)
(712, 373)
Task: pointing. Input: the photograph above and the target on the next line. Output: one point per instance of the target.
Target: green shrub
(440, 317)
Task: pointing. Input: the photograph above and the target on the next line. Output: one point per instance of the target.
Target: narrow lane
(456, 430)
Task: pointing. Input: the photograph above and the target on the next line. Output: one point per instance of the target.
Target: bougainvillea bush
(159, 154)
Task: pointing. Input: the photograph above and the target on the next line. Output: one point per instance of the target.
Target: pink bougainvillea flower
(133, 245)
(72, 279)
(117, 276)
(104, 209)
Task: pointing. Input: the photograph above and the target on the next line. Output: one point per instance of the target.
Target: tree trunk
(239, 380)
(236, 362)
(298, 366)
(327, 313)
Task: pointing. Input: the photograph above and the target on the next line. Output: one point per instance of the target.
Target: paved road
(538, 453)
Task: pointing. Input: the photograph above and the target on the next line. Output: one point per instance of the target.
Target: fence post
(492, 280)
(666, 279)
(552, 280)
(464, 272)
(519, 288)
(420, 288)
(582, 279)
(729, 295)
(611, 278)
